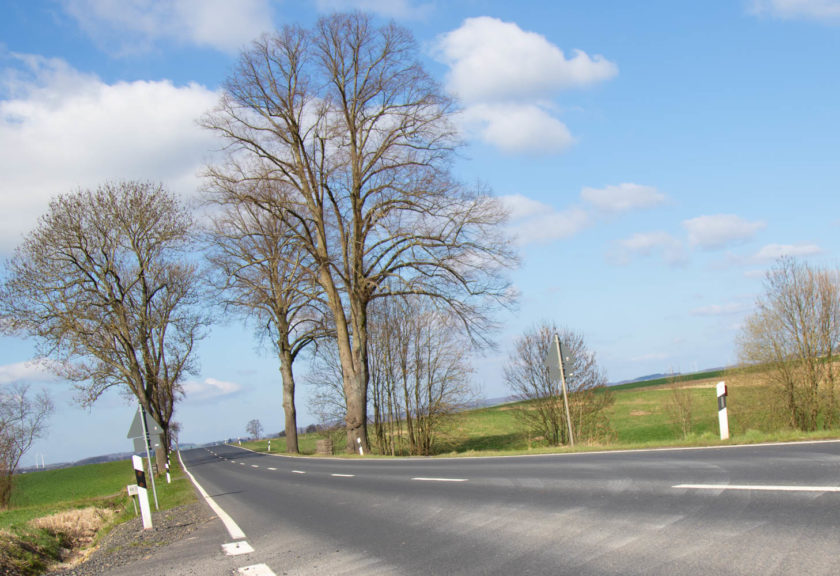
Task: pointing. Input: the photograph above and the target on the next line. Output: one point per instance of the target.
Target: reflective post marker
(723, 419)
(142, 493)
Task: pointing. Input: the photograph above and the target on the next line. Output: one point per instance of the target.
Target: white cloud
(821, 10)
(61, 130)
(516, 128)
(719, 231)
(495, 60)
(209, 389)
(124, 27)
(507, 78)
(533, 222)
(622, 198)
(647, 244)
(772, 252)
(397, 9)
(32, 371)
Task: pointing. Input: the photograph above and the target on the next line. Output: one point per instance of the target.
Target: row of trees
(336, 194)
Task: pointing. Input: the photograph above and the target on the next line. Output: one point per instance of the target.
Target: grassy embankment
(639, 418)
(56, 510)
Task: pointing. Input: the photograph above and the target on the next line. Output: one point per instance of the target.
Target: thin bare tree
(262, 274)
(105, 285)
(349, 122)
(419, 373)
(542, 411)
(680, 406)
(794, 332)
(255, 429)
(23, 419)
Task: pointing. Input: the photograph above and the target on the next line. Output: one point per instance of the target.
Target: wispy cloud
(534, 222)
(32, 371)
(647, 244)
(818, 10)
(719, 231)
(209, 389)
(622, 198)
(729, 309)
(121, 28)
(772, 252)
(397, 9)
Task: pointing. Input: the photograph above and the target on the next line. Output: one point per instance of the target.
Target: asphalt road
(735, 510)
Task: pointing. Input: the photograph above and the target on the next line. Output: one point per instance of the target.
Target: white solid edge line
(233, 529)
(421, 479)
(766, 488)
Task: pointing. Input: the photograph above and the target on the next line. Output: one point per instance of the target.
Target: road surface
(737, 510)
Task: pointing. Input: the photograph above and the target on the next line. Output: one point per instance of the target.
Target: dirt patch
(640, 413)
(76, 528)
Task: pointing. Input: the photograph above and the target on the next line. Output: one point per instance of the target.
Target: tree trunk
(289, 403)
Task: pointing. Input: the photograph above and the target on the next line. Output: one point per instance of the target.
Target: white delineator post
(142, 493)
(361, 450)
(723, 419)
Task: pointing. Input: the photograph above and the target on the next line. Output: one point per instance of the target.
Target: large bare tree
(345, 117)
(264, 275)
(530, 380)
(794, 332)
(23, 419)
(105, 285)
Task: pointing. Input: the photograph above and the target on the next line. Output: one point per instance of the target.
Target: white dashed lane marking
(343, 475)
(421, 479)
(760, 487)
(237, 548)
(298, 472)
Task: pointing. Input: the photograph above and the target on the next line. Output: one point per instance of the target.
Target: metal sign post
(140, 429)
(557, 357)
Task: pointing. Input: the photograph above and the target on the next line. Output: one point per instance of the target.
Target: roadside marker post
(361, 450)
(142, 493)
(723, 418)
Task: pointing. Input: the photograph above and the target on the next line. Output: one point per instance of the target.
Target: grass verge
(56, 513)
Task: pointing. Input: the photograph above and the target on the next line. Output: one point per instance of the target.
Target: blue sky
(657, 157)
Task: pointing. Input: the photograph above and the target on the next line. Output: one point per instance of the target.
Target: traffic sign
(136, 430)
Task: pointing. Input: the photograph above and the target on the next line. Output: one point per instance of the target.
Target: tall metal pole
(565, 394)
(149, 454)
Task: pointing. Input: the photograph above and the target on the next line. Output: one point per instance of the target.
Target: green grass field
(44, 493)
(639, 418)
